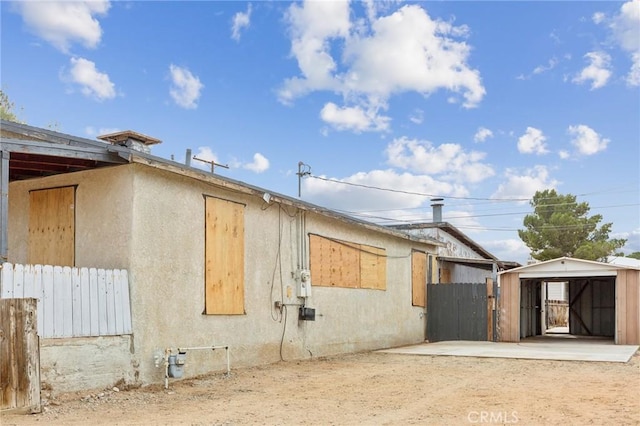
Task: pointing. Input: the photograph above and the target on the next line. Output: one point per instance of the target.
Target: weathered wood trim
(19, 356)
(49, 149)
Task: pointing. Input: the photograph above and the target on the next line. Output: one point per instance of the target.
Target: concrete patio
(552, 348)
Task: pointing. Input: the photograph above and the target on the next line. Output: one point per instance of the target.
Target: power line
(414, 193)
(492, 200)
(399, 218)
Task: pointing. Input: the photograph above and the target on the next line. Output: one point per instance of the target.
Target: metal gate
(458, 311)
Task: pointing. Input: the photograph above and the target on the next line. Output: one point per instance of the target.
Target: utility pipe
(169, 351)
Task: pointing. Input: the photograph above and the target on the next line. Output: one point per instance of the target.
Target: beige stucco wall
(168, 284)
(103, 215)
(151, 222)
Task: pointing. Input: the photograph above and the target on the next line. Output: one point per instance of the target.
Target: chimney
(437, 209)
(132, 140)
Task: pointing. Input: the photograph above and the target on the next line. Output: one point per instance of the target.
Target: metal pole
(300, 164)
(4, 204)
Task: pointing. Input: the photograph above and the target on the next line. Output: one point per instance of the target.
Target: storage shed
(604, 299)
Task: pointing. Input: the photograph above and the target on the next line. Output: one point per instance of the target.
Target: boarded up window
(337, 263)
(418, 278)
(52, 226)
(224, 257)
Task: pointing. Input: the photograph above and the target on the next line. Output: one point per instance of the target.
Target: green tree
(560, 226)
(7, 108)
(634, 255)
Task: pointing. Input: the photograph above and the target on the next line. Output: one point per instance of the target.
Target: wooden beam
(54, 150)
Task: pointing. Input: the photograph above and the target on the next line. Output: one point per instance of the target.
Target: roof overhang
(566, 267)
(33, 158)
(451, 230)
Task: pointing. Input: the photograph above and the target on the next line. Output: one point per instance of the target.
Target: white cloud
(369, 60)
(417, 117)
(626, 26)
(259, 164)
(633, 78)
(353, 118)
(525, 185)
(625, 29)
(563, 154)
(450, 161)
(586, 140)
(532, 142)
(598, 17)
(597, 72)
(241, 20)
(511, 249)
(92, 131)
(93, 83)
(544, 68)
(186, 87)
(482, 134)
(633, 240)
(355, 198)
(62, 23)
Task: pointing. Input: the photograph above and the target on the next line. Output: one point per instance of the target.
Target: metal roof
(568, 267)
(36, 152)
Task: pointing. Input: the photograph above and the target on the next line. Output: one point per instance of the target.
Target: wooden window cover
(52, 226)
(337, 263)
(224, 257)
(418, 278)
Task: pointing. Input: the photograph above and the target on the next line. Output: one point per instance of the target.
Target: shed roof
(28, 144)
(567, 267)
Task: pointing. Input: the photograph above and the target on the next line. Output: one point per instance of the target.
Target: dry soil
(369, 388)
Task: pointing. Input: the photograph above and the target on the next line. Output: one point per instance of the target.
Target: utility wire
(359, 185)
(400, 218)
(413, 193)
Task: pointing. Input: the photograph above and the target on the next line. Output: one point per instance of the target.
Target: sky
(386, 104)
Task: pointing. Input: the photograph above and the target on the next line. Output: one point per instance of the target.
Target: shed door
(52, 226)
(530, 309)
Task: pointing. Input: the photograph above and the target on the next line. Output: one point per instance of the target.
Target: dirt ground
(370, 388)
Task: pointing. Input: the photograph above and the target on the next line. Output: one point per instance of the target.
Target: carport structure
(604, 299)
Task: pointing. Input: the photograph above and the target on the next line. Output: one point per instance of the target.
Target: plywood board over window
(418, 278)
(336, 263)
(224, 257)
(52, 226)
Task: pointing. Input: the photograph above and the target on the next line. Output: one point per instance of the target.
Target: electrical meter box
(304, 283)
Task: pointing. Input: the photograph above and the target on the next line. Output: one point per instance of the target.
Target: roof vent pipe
(187, 158)
(437, 209)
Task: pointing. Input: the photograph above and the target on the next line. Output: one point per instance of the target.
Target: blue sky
(482, 103)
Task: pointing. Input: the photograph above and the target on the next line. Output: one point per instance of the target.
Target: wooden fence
(72, 302)
(19, 356)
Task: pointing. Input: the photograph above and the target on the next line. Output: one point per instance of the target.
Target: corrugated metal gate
(458, 311)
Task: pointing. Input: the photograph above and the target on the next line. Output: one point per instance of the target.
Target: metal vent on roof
(130, 139)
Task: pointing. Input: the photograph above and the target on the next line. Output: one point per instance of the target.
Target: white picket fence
(72, 302)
